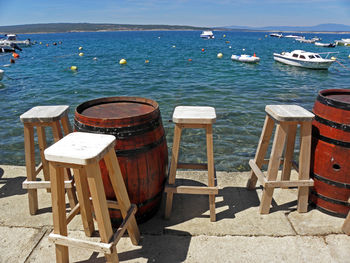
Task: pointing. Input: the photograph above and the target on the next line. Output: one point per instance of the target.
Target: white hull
(245, 58)
(207, 35)
(303, 64)
(1, 74)
(20, 43)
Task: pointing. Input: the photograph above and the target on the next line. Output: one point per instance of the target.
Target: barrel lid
(338, 98)
(117, 107)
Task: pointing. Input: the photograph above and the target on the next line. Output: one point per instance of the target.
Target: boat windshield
(318, 56)
(311, 56)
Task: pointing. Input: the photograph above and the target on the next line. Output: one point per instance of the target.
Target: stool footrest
(69, 241)
(38, 170)
(194, 166)
(266, 183)
(73, 213)
(191, 190)
(106, 248)
(43, 184)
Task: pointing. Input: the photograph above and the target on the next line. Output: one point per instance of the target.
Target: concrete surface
(240, 233)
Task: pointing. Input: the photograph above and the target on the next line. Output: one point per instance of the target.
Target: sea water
(178, 72)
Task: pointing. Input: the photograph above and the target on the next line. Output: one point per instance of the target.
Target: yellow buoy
(219, 55)
(146, 61)
(81, 54)
(40, 43)
(349, 56)
(224, 35)
(333, 58)
(80, 48)
(74, 68)
(122, 61)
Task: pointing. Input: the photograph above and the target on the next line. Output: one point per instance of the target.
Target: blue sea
(178, 73)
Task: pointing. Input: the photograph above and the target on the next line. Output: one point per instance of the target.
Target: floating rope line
(342, 65)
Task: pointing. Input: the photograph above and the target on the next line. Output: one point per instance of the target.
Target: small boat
(246, 58)
(12, 39)
(1, 74)
(292, 36)
(276, 35)
(303, 40)
(207, 35)
(343, 42)
(319, 44)
(304, 59)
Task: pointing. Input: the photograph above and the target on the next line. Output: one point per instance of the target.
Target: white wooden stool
(41, 117)
(192, 117)
(287, 118)
(82, 152)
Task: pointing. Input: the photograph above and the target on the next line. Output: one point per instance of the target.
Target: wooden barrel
(330, 155)
(140, 147)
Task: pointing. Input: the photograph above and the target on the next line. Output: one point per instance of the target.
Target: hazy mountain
(321, 27)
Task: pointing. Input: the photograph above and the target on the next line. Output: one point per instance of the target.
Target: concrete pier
(240, 233)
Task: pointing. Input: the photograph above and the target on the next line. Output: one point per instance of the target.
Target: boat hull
(245, 58)
(303, 64)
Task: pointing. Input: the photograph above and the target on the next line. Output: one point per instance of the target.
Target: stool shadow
(12, 186)
(154, 248)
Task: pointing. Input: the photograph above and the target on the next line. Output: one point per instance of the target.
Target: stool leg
(84, 201)
(121, 193)
(42, 146)
(59, 210)
(211, 179)
(173, 167)
(346, 225)
(275, 157)
(30, 167)
(67, 128)
(288, 156)
(261, 150)
(304, 165)
(57, 135)
(100, 206)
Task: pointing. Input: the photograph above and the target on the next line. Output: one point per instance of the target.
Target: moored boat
(1, 74)
(343, 42)
(319, 44)
(246, 58)
(12, 39)
(276, 35)
(304, 59)
(207, 34)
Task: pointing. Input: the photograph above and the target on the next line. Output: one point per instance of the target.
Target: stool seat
(84, 148)
(288, 113)
(194, 114)
(44, 113)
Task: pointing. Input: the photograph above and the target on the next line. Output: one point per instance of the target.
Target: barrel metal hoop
(330, 182)
(331, 141)
(336, 125)
(333, 103)
(121, 132)
(143, 149)
(331, 200)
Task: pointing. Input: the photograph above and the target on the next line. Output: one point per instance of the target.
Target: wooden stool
(41, 117)
(287, 118)
(192, 117)
(82, 152)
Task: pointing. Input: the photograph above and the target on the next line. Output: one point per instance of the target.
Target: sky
(205, 13)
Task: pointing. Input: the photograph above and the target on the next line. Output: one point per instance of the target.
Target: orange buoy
(190, 59)
(15, 55)
(202, 49)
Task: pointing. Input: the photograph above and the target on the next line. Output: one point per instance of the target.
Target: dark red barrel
(330, 158)
(140, 147)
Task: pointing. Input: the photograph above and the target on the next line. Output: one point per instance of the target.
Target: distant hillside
(89, 27)
(317, 28)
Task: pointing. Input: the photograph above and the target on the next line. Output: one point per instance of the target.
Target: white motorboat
(12, 39)
(304, 40)
(292, 36)
(319, 44)
(1, 74)
(245, 58)
(304, 59)
(207, 35)
(276, 35)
